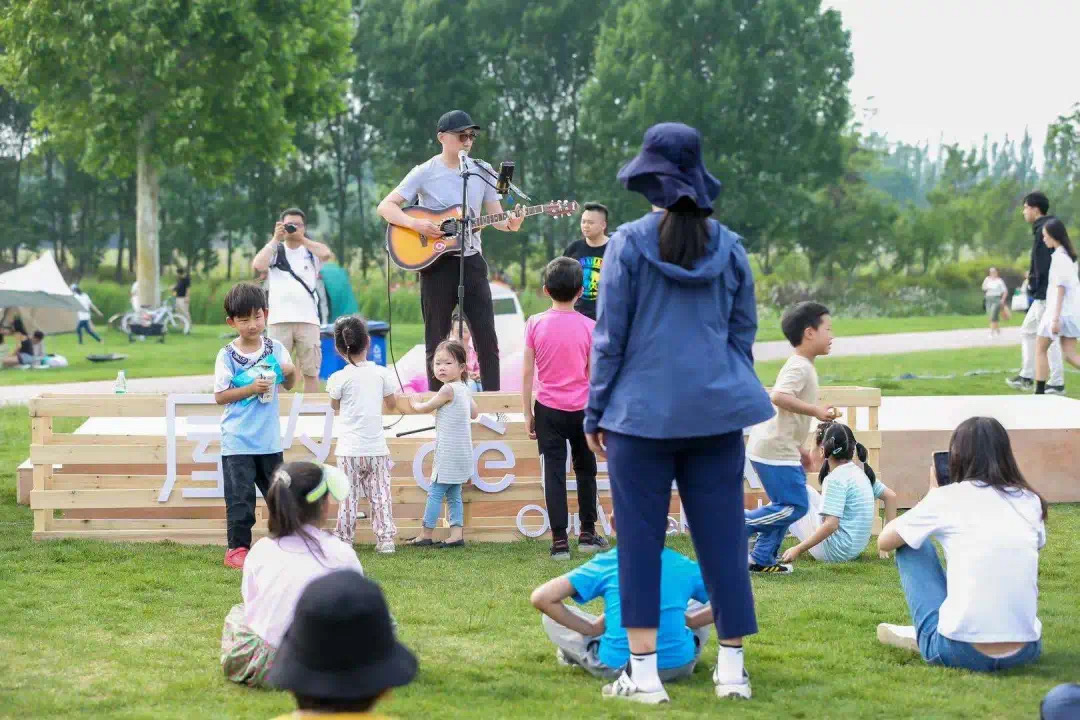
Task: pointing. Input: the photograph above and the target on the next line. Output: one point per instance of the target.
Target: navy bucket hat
(670, 167)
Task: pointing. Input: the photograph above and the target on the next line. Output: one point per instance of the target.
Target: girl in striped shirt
(838, 524)
(454, 412)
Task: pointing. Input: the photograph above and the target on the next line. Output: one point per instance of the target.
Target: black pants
(553, 429)
(242, 474)
(438, 298)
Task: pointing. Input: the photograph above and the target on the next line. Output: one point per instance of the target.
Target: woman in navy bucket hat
(672, 386)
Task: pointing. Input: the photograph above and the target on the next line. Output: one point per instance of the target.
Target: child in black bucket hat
(340, 656)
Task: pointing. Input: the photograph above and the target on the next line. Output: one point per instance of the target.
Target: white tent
(38, 294)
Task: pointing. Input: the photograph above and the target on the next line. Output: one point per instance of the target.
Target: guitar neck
(485, 220)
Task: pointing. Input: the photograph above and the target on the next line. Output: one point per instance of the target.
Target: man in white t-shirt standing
(293, 261)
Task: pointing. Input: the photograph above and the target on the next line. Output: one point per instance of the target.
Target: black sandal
(420, 542)
(456, 543)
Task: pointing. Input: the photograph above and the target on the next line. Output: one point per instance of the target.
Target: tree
(766, 83)
(143, 85)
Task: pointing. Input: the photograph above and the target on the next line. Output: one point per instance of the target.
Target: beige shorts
(302, 342)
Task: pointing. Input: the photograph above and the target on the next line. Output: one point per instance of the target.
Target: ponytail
(351, 336)
(684, 234)
(289, 507)
(837, 441)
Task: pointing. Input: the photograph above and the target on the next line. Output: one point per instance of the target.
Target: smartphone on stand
(941, 467)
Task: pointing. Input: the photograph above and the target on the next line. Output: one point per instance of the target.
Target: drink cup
(272, 377)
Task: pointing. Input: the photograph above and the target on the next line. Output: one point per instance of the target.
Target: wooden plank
(873, 418)
(217, 537)
(850, 396)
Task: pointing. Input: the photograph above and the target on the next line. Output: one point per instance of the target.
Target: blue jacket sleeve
(742, 324)
(614, 312)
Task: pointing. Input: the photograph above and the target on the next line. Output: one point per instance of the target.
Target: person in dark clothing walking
(1036, 209)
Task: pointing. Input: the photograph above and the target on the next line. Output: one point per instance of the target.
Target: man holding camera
(293, 261)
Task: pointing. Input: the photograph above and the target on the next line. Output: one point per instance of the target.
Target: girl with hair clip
(1062, 318)
(359, 393)
(840, 519)
(281, 565)
(453, 466)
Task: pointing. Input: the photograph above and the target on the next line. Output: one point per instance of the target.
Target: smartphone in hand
(941, 467)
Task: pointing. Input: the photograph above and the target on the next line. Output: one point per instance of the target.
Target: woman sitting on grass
(840, 518)
(280, 566)
(980, 613)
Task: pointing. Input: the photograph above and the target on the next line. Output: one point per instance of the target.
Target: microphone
(461, 157)
(506, 174)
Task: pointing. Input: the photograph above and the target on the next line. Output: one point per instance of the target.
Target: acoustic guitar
(412, 251)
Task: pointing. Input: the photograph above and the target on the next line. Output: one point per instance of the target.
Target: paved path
(858, 345)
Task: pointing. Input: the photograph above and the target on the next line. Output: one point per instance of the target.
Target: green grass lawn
(769, 326)
(180, 355)
(94, 629)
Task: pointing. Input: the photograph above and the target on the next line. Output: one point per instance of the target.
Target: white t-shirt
(361, 389)
(84, 300)
(276, 573)
(991, 541)
(1063, 273)
(223, 376)
(289, 301)
(994, 288)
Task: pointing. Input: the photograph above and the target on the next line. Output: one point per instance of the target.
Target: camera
(290, 228)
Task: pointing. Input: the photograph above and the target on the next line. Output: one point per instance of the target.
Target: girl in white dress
(1062, 318)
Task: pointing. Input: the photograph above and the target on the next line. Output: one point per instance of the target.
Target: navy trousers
(709, 474)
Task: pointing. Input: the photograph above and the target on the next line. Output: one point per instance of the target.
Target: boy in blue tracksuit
(775, 446)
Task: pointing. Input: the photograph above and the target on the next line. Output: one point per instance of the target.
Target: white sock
(729, 665)
(643, 671)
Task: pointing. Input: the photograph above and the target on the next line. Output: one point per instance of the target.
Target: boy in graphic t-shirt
(775, 446)
(590, 253)
(557, 346)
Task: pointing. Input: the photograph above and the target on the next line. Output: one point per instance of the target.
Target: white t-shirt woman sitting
(980, 613)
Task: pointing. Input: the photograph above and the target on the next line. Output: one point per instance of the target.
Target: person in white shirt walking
(293, 261)
(980, 612)
(84, 315)
(1062, 317)
(994, 293)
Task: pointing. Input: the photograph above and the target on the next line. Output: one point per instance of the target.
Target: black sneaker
(560, 549)
(775, 569)
(1055, 390)
(1021, 383)
(591, 543)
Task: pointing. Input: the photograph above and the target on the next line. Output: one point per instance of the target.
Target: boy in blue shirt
(250, 429)
(599, 644)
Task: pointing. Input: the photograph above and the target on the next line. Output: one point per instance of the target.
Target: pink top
(472, 363)
(561, 340)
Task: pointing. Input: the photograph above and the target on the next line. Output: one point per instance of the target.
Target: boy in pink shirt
(557, 345)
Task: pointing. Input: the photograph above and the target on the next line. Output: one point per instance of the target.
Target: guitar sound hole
(450, 227)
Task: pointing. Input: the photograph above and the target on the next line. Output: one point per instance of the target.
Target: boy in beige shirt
(775, 446)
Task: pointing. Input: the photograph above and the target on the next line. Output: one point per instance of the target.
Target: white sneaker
(624, 688)
(384, 548)
(733, 690)
(898, 636)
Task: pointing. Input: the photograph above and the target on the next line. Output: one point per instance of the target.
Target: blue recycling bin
(332, 362)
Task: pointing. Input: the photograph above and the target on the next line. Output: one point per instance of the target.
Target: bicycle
(165, 315)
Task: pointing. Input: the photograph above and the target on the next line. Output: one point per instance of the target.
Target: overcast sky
(956, 69)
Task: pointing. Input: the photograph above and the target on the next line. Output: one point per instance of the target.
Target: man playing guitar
(436, 183)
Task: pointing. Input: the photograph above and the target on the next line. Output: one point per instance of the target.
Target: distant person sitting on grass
(23, 353)
(249, 366)
(340, 657)
(280, 566)
(840, 519)
(599, 645)
(979, 613)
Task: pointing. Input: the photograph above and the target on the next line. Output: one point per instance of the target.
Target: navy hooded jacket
(671, 353)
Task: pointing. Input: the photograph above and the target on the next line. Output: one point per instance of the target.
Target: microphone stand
(464, 230)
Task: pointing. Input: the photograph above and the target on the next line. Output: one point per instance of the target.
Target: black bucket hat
(341, 644)
(670, 167)
(456, 121)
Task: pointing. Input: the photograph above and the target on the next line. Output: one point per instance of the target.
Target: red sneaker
(234, 557)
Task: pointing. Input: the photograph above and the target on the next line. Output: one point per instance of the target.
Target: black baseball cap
(456, 121)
